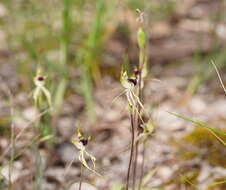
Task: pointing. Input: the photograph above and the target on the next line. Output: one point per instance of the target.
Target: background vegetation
(81, 46)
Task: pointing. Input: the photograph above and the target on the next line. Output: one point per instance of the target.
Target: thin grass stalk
(64, 51)
(19, 135)
(219, 76)
(87, 90)
(11, 158)
(90, 69)
(12, 141)
(65, 32)
(219, 56)
(132, 148)
(30, 144)
(8, 92)
(94, 40)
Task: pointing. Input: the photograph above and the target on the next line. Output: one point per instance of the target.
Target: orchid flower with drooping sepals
(80, 142)
(40, 90)
(129, 83)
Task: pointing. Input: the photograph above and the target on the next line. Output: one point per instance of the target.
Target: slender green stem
(131, 150)
(11, 161)
(40, 128)
(38, 168)
(12, 140)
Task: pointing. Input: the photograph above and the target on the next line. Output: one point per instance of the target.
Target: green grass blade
(59, 96)
(65, 31)
(184, 178)
(147, 178)
(213, 131)
(216, 183)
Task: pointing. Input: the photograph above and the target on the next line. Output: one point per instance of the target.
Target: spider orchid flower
(129, 83)
(81, 142)
(40, 90)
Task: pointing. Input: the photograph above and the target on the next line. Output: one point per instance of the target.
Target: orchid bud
(141, 38)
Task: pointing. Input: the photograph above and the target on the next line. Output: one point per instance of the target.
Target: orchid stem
(131, 151)
(81, 176)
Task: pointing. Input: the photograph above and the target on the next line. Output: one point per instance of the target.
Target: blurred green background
(80, 44)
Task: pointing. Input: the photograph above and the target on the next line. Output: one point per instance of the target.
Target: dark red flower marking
(137, 72)
(84, 141)
(40, 78)
(134, 81)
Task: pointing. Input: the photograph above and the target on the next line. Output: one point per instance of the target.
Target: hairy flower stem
(132, 148)
(81, 177)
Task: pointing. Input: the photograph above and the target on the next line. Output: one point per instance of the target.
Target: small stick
(218, 74)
